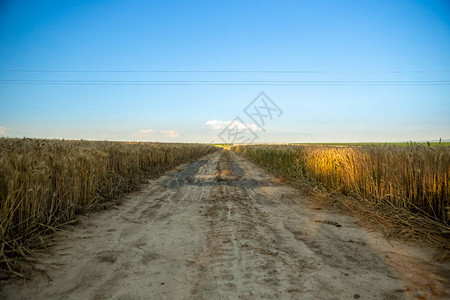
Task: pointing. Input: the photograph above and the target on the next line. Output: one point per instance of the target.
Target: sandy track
(221, 228)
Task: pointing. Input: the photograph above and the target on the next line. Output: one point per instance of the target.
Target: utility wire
(218, 71)
(228, 81)
(224, 82)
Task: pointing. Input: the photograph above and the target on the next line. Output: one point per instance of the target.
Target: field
(401, 191)
(221, 227)
(217, 225)
(45, 183)
(415, 178)
(409, 144)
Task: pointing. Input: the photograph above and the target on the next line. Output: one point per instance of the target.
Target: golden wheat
(44, 183)
(415, 178)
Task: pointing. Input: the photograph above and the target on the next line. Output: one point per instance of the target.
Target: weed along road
(222, 228)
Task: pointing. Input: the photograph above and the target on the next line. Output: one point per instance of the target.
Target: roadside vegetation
(45, 183)
(402, 190)
(410, 144)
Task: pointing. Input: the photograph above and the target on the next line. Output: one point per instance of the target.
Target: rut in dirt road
(221, 228)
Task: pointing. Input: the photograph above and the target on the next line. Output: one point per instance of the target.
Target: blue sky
(381, 42)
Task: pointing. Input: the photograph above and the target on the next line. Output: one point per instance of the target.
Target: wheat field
(415, 178)
(45, 183)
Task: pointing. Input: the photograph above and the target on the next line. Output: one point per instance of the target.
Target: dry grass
(45, 183)
(404, 191)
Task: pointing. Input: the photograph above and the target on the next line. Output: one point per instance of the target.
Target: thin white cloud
(146, 131)
(216, 124)
(3, 130)
(170, 133)
(143, 133)
(220, 125)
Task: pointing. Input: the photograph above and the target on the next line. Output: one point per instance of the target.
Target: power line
(229, 81)
(222, 71)
(225, 82)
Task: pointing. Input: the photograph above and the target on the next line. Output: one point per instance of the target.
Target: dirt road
(221, 228)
